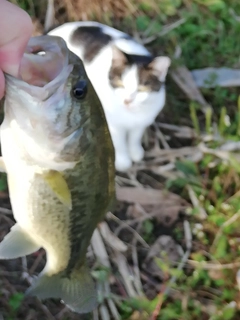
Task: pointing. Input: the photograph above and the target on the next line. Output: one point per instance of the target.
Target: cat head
(137, 80)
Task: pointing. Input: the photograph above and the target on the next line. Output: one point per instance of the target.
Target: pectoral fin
(59, 186)
(17, 244)
(2, 165)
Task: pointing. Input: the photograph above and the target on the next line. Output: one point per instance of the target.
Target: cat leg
(135, 143)
(122, 159)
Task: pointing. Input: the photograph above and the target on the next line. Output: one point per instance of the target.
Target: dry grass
(106, 11)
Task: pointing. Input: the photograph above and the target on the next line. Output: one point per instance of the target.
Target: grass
(207, 286)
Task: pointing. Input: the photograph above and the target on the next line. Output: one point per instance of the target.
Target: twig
(137, 283)
(161, 137)
(183, 78)
(9, 220)
(177, 153)
(225, 224)
(213, 266)
(202, 213)
(5, 211)
(230, 146)
(104, 312)
(99, 249)
(158, 307)
(121, 180)
(238, 279)
(49, 18)
(110, 238)
(44, 308)
(132, 222)
(36, 262)
(166, 289)
(25, 273)
(179, 131)
(4, 273)
(111, 304)
(166, 29)
(101, 253)
(95, 315)
(132, 176)
(121, 262)
(195, 155)
(122, 224)
(60, 314)
(224, 155)
(188, 237)
(166, 167)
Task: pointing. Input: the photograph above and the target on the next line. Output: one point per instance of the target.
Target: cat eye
(79, 91)
(143, 88)
(118, 83)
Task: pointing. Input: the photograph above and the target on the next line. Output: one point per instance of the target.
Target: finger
(1, 84)
(17, 26)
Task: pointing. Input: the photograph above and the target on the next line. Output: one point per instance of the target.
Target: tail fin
(77, 290)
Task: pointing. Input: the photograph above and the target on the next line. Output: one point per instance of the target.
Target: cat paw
(137, 154)
(122, 163)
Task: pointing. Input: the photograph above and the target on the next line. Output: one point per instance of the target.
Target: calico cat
(127, 78)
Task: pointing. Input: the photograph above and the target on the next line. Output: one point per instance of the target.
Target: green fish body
(59, 160)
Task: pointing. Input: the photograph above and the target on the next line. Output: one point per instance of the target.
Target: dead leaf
(99, 249)
(37, 27)
(146, 196)
(136, 211)
(125, 271)
(212, 77)
(216, 274)
(184, 79)
(137, 315)
(164, 248)
(167, 216)
(110, 238)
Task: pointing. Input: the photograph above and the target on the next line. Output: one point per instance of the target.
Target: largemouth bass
(59, 160)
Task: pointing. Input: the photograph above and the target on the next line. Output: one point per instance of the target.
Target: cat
(127, 78)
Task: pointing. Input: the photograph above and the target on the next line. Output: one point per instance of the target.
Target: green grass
(209, 37)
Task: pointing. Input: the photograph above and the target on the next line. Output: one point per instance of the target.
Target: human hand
(16, 29)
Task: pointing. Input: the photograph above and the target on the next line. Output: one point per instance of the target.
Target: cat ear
(119, 57)
(160, 65)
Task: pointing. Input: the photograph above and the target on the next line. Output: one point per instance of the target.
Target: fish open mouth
(43, 60)
(44, 69)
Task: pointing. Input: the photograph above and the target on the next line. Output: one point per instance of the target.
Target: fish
(59, 159)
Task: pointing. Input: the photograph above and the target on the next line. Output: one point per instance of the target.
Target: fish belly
(43, 217)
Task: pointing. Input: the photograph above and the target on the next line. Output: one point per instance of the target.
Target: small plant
(15, 302)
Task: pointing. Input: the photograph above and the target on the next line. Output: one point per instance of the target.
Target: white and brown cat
(127, 79)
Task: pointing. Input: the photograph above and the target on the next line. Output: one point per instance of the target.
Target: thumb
(16, 29)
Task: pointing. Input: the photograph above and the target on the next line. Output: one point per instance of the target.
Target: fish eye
(80, 90)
